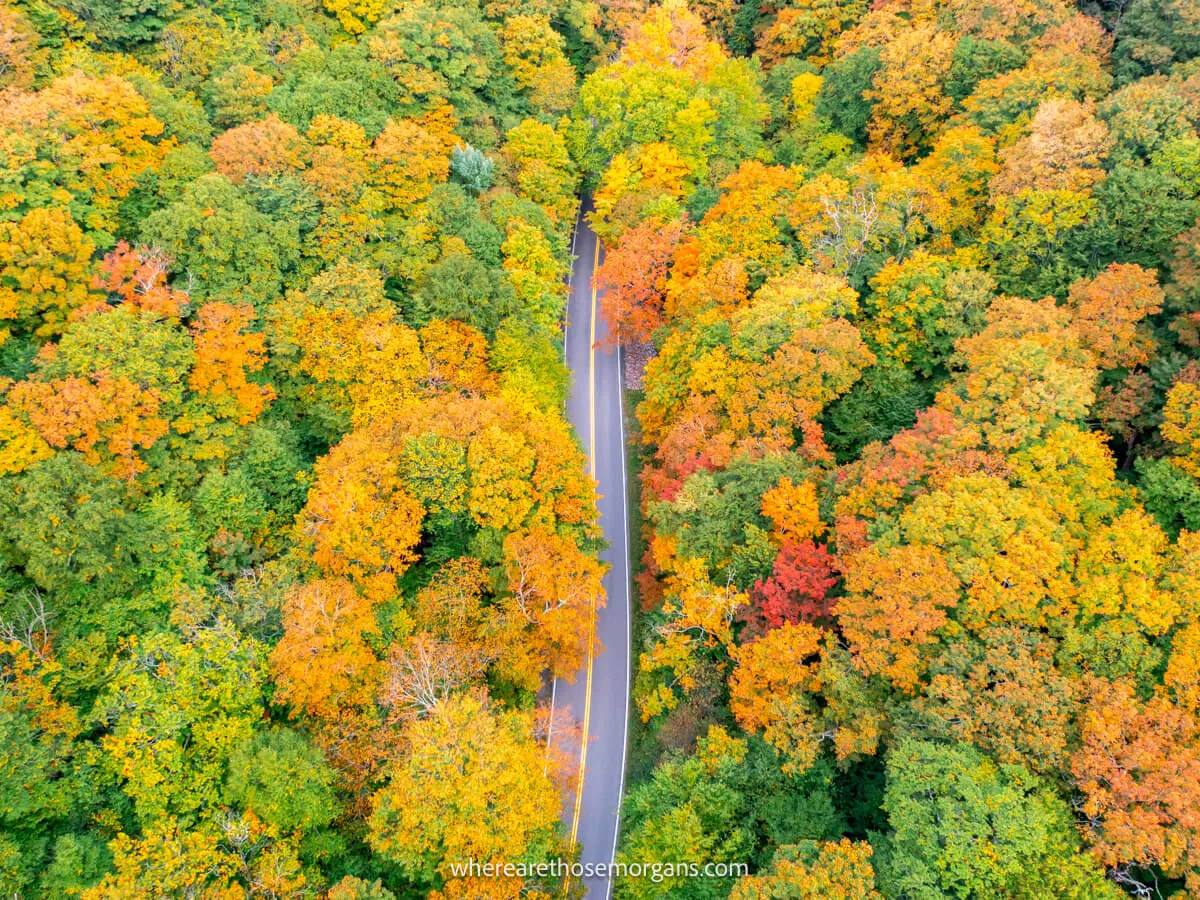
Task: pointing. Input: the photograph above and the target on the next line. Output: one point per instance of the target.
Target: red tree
(798, 589)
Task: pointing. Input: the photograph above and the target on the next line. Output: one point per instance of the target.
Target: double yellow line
(591, 657)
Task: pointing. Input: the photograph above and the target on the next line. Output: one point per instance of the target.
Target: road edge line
(628, 612)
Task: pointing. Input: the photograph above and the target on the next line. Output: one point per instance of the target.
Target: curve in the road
(599, 696)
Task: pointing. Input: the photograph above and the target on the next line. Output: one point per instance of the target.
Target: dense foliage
(291, 521)
(919, 281)
(292, 526)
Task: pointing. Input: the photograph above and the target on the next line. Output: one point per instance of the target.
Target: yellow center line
(591, 657)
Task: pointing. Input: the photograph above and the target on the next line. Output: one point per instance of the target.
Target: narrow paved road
(599, 696)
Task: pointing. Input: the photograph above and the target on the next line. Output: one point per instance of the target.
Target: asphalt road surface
(599, 696)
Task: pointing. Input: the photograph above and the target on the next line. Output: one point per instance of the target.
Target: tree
(1109, 310)
(793, 510)
(962, 825)
(46, 271)
(221, 246)
(1064, 151)
(1027, 235)
(170, 728)
(235, 856)
(283, 780)
(633, 280)
(690, 811)
(462, 288)
(472, 786)
(1182, 677)
(1153, 36)
(544, 171)
(533, 50)
(406, 160)
(258, 149)
(359, 520)
(921, 306)
(556, 589)
(537, 275)
(958, 172)
(358, 361)
(1026, 372)
(443, 54)
(83, 414)
(64, 525)
(501, 467)
(1005, 694)
(18, 46)
(798, 589)
(809, 31)
(1181, 425)
(323, 663)
(88, 139)
(907, 93)
(895, 604)
(225, 355)
(1134, 768)
(772, 690)
(425, 671)
(38, 734)
(844, 95)
(457, 356)
(472, 169)
(840, 871)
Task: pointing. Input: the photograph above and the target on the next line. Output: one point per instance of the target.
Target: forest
(294, 529)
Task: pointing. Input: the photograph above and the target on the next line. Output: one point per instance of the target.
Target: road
(599, 696)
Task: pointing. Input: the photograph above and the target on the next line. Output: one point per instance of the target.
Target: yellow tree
(699, 616)
(323, 664)
(542, 167)
(83, 137)
(537, 275)
(1026, 373)
(554, 590)
(792, 509)
(501, 467)
(472, 786)
(909, 103)
(958, 171)
(45, 271)
(457, 356)
(360, 521)
(1181, 423)
(833, 871)
(406, 161)
(534, 52)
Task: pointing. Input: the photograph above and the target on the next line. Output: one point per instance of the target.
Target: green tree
(471, 168)
(64, 525)
(221, 246)
(1154, 35)
(841, 97)
(284, 780)
(173, 713)
(963, 826)
(690, 811)
(464, 289)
